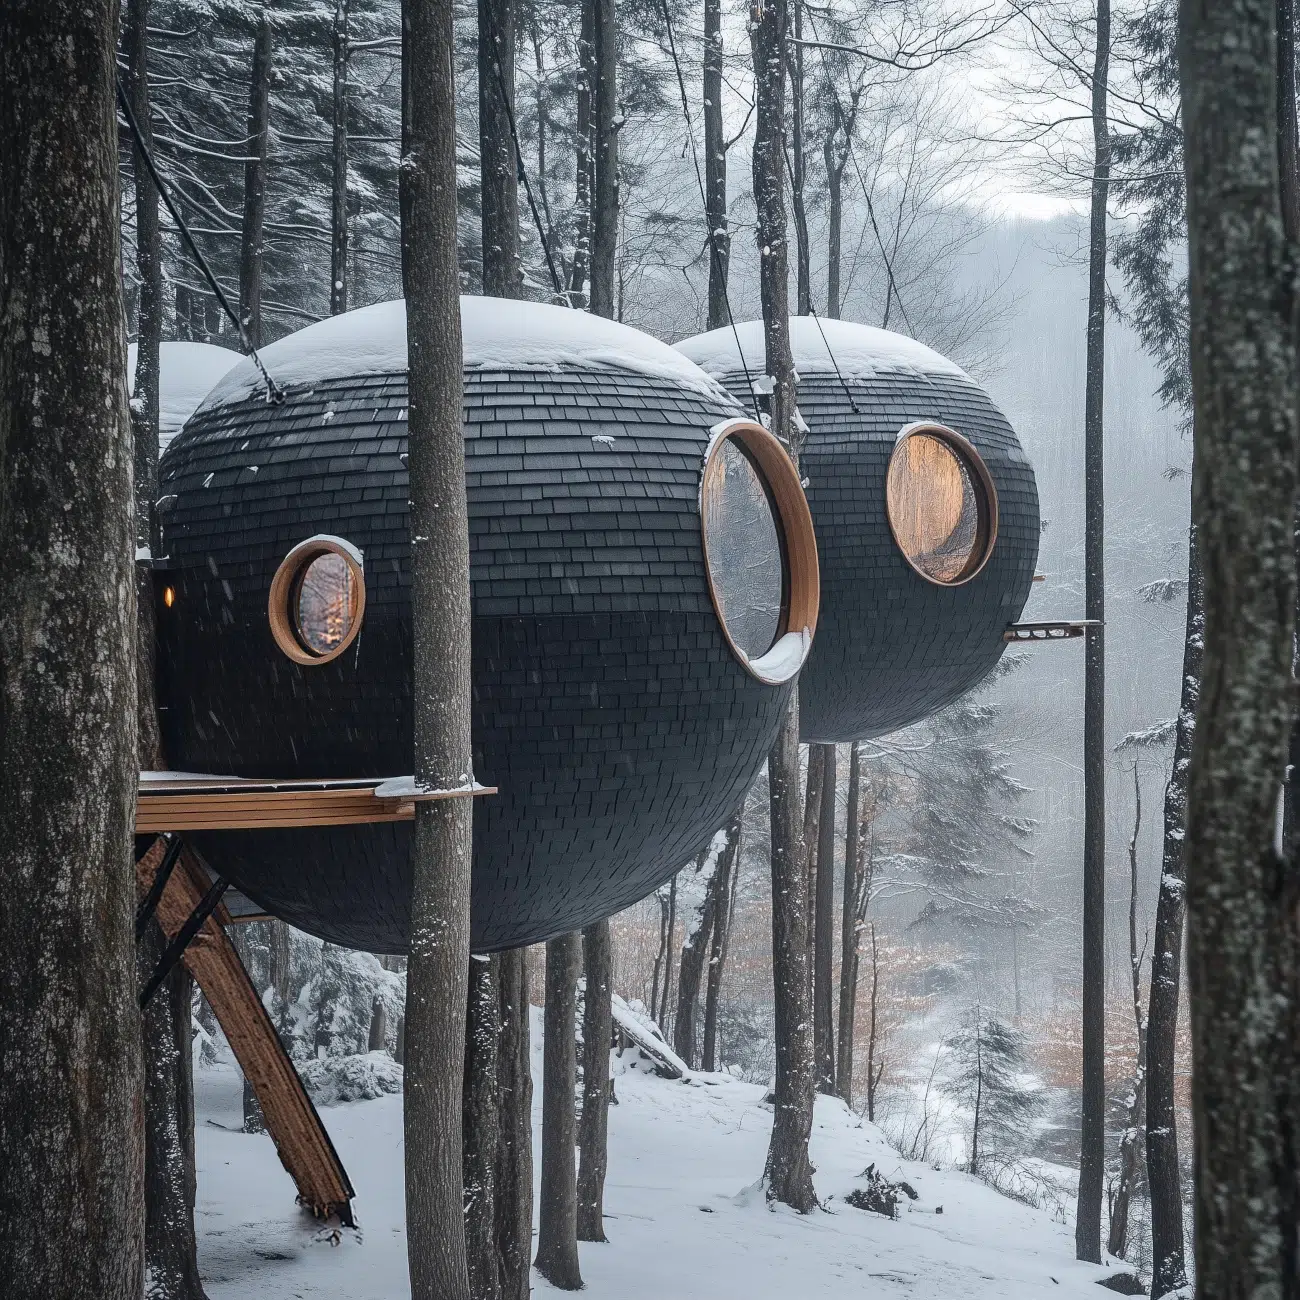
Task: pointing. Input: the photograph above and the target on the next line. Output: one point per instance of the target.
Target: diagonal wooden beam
(303, 1145)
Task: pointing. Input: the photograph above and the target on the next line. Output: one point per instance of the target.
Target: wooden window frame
(986, 502)
(801, 582)
(284, 597)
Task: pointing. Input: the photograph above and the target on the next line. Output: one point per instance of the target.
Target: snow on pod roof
(858, 350)
(497, 333)
(188, 372)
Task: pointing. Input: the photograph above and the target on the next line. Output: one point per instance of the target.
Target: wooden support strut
(303, 1145)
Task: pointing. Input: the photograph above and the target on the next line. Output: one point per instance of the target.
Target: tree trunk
(480, 1126)
(661, 1016)
(71, 1200)
(715, 168)
(1241, 895)
(597, 1035)
(812, 813)
(378, 1038)
(502, 274)
(824, 932)
(725, 887)
(557, 1233)
(788, 1173)
(1164, 1172)
(584, 169)
(979, 1097)
(438, 967)
(1130, 1145)
(514, 1207)
(661, 954)
(834, 222)
(250, 243)
(849, 930)
(695, 950)
(604, 224)
(1092, 1150)
(874, 1069)
(339, 163)
(803, 272)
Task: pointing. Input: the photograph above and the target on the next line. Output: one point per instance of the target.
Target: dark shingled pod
(891, 646)
(608, 707)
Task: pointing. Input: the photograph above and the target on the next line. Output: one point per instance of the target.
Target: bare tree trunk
(1164, 1171)
(438, 967)
(979, 1097)
(715, 167)
(250, 243)
(803, 273)
(725, 897)
(874, 1068)
(824, 932)
(1241, 894)
(812, 813)
(834, 221)
(557, 1235)
(661, 1016)
(480, 1137)
(661, 954)
(597, 1035)
(584, 172)
(377, 1040)
(71, 1199)
(789, 1172)
(339, 163)
(604, 224)
(502, 274)
(1092, 1151)
(849, 930)
(1130, 1146)
(695, 950)
(514, 1204)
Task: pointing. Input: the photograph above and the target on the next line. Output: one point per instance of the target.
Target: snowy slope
(684, 1219)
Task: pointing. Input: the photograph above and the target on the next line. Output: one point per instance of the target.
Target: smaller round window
(942, 506)
(318, 599)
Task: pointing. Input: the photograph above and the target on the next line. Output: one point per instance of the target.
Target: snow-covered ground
(685, 1219)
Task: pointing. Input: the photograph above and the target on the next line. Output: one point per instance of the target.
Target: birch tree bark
(1241, 894)
(437, 972)
(71, 1200)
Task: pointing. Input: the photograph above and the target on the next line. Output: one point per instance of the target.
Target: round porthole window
(942, 505)
(759, 550)
(318, 599)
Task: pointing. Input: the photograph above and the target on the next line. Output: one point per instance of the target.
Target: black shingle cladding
(891, 647)
(608, 707)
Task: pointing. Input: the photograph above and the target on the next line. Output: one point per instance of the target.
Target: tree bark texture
(1241, 895)
(789, 1172)
(725, 895)
(715, 168)
(480, 1120)
(171, 1259)
(339, 162)
(250, 243)
(584, 165)
(824, 932)
(437, 971)
(557, 1232)
(514, 1182)
(849, 930)
(1092, 1149)
(661, 1015)
(834, 224)
(597, 1035)
(502, 274)
(604, 222)
(803, 267)
(71, 1200)
(1164, 1172)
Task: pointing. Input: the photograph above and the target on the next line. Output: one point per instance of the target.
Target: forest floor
(685, 1218)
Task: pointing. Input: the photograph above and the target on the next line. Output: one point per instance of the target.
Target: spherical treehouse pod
(926, 513)
(644, 585)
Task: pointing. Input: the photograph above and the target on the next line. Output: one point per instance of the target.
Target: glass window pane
(326, 603)
(934, 507)
(744, 549)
